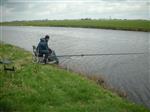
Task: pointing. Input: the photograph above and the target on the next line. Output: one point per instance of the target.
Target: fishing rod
(81, 55)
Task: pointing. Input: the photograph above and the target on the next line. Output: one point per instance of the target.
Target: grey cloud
(31, 9)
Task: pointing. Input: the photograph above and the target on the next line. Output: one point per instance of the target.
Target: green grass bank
(131, 25)
(47, 88)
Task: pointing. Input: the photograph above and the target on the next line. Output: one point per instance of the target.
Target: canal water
(128, 73)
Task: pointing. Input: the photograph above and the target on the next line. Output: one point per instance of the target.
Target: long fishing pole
(81, 55)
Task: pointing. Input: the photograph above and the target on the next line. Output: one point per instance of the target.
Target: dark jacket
(42, 47)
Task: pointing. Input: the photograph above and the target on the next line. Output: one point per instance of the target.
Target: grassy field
(133, 25)
(47, 88)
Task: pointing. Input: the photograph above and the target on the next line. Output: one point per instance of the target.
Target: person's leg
(45, 58)
(40, 57)
(50, 55)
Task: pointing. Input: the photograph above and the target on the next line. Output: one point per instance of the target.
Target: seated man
(43, 48)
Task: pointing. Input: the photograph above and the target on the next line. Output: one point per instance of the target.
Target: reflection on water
(129, 73)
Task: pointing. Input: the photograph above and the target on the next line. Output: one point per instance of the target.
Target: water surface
(128, 73)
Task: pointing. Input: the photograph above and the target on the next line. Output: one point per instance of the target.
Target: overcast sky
(73, 9)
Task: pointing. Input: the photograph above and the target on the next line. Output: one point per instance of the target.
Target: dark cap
(46, 36)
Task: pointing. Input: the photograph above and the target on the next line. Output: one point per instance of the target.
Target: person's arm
(47, 48)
